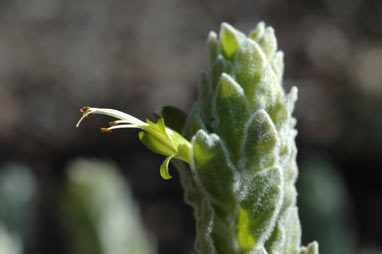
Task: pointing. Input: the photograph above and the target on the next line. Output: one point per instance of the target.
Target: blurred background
(59, 55)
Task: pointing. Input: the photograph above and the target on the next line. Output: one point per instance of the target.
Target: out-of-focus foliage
(324, 207)
(99, 213)
(17, 206)
(9, 243)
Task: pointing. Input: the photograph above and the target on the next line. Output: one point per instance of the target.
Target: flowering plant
(235, 151)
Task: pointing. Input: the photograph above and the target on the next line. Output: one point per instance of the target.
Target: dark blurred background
(57, 56)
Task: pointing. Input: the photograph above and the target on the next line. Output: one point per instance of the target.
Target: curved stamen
(122, 126)
(124, 118)
(127, 122)
(82, 118)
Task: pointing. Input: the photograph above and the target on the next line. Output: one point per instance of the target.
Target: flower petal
(164, 168)
(156, 145)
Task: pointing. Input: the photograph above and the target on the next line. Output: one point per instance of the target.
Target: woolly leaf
(220, 65)
(213, 44)
(259, 208)
(268, 43)
(312, 248)
(204, 98)
(231, 114)
(214, 170)
(257, 32)
(278, 64)
(249, 64)
(230, 40)
(289, 221)
(259, 143)
(204, 242)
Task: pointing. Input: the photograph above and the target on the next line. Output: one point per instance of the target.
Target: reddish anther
(106, 130)
(83, 110)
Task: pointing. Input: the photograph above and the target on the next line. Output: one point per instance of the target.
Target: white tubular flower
(155, 136)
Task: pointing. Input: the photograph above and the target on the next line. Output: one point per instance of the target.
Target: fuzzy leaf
(214, 171)
(259, 143)
(249, 64)
(205, 94)
(213, 44)
(278, 64)
(268, 43)
(312, 248)
(290, 223)
(204, 242)
(257, 32)
(219, 66)
(230, 40)
(259, 208)
(231, 113)
(276, 240)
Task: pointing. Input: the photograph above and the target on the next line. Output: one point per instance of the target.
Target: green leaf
(276, 241)
(204, 242)
(312, 248)
(164, 168)
(215, 172)
(290, 224)
(231, 112)
(249, 64)
(259, 208)
(219, 66)
(257, 32)
(204, 99)
(230, 40)
(259, 250)
(192, 194)
(268, 43)
(246, 240)
(257, 77)
(162, 126)
(278, 64)
(259, 143)
(213, 44)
